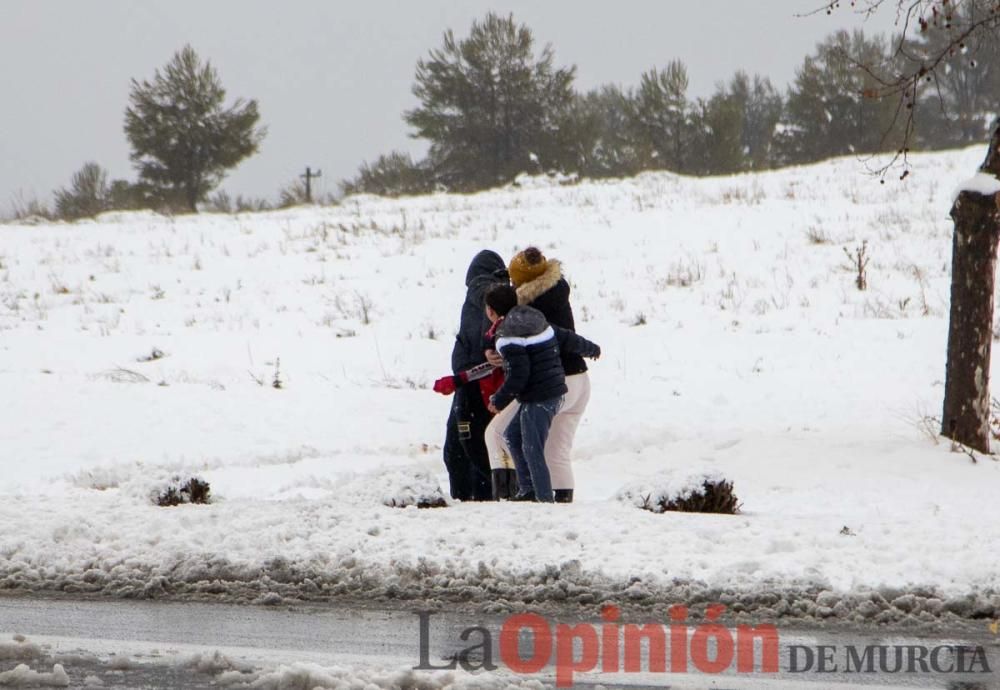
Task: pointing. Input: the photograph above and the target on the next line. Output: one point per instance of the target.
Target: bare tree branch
(911, 72)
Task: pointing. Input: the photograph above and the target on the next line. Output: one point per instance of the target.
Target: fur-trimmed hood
(530, 291)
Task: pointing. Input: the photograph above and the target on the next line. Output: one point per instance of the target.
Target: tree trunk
(966, 416)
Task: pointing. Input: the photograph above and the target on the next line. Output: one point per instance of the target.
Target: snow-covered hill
(734, 340)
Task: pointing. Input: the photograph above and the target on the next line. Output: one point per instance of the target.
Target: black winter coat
(486, 270)
(549, 294)
(531, 349)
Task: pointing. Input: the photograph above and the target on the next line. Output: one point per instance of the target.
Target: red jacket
(491, 384)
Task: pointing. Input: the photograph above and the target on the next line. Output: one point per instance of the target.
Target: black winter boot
(504, 484)
(528, 496)
(511, 482)
(563, 495)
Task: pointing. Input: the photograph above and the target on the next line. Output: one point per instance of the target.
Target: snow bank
(19, 650)
(310, 676)
(22, 676)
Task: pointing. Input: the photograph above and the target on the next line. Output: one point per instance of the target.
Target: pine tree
(830, 109)
(761, 106)
(490, 108)
(600, 137)
(718, 139)
(183, 138)
(659, 114)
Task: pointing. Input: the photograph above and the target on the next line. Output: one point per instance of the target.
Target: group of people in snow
(520, 382)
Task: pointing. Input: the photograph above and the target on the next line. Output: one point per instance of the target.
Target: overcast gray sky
(333, 78)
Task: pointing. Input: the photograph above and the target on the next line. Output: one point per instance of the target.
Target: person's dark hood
(522, 322)
(486, 264)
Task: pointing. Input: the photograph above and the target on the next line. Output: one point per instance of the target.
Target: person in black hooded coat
(465, 454)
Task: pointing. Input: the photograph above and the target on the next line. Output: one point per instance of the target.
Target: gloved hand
(445, 385)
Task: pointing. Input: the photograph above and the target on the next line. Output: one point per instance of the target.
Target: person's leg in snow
(526, 436)
(472, 419)
(501, 462)
(559, 445)
(455, 459)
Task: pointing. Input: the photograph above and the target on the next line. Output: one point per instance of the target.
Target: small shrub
(422, 502)
(220, 202)
(177, 492)
(700, 492)
(276, 381)
(29, 211)
(930, 426)
(243, 204)
(88, 194)
(714, 497)
(293, 194)
(859, 264)
(154, 355)
(682, 274)
(403, 489)
(817, 235)
(362, 310)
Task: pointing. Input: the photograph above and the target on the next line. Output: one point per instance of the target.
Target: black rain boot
(511, 482)
(563, 495)
(501, 485)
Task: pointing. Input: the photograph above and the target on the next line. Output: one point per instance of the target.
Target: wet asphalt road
(140, 644)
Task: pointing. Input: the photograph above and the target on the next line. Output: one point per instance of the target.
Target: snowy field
(734, 340)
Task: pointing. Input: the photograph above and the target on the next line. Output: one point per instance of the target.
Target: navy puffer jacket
(530, 348)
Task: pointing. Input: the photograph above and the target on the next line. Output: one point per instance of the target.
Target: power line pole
(309, 177)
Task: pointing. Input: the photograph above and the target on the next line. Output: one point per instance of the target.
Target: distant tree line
(492, 107)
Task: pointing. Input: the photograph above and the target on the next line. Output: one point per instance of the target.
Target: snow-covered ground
(734, 340)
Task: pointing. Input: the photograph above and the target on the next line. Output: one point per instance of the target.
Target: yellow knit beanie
(526, 266)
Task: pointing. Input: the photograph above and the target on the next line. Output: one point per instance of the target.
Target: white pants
(496, 444)
(559, 446)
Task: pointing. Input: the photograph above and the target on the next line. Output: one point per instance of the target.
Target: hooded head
(486, 264)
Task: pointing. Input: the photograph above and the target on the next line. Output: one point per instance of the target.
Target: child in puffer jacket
(534, 376)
